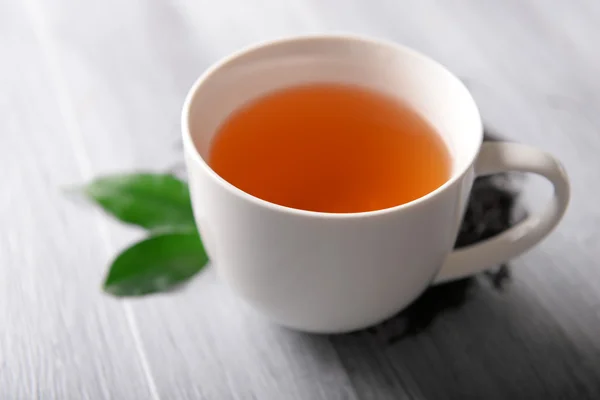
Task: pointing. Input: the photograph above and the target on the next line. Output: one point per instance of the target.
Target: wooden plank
(60, 337)
(126, 67)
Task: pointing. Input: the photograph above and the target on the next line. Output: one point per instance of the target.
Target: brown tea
(330, 148)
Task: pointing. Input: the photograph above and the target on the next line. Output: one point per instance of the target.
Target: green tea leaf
(157, 202)
(156, 264)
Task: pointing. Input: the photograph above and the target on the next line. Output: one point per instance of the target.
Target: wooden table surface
(89, 87)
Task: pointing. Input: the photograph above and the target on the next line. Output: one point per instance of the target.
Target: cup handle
(496, 157)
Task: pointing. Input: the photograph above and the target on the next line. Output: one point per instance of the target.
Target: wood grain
(94, 87)
(60, 338)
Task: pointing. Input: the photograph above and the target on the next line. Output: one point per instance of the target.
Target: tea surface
(330, 148)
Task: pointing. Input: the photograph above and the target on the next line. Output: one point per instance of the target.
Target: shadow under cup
(306, 269)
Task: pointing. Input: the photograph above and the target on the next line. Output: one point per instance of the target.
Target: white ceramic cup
(330, 273)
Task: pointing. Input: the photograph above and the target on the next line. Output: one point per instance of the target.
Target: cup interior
(429, 88)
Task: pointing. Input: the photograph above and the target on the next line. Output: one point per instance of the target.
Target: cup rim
(396, 47)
